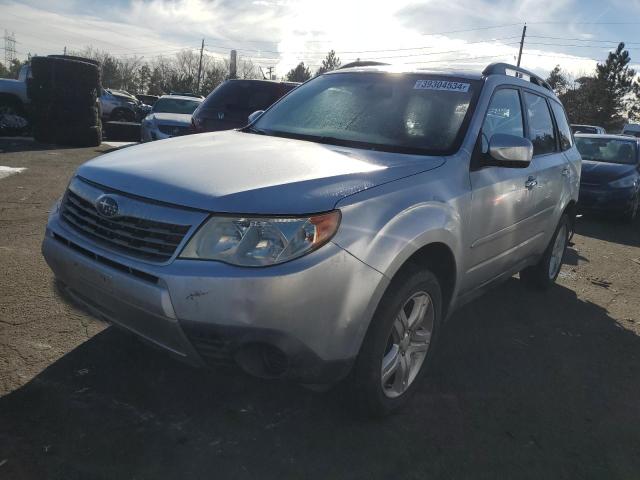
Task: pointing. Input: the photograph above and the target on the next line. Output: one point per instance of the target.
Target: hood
(236, 172)
(171, 118)
(599, 173)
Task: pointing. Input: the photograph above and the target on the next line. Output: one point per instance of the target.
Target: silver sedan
(170, 117)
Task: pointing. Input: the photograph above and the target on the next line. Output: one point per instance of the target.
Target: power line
(573, 46)
(583, 40)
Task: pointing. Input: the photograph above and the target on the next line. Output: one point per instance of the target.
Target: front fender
(385, 229)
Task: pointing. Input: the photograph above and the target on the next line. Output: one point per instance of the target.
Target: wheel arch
(438, 258)
(11, 98)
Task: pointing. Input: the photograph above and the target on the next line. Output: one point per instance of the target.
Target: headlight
(624, 182)
(260, 241)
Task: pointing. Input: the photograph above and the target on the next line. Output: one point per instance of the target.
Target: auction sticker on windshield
(441, 85)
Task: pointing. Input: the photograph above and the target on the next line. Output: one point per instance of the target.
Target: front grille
(106, 261)
(136, 237)
(174, 130)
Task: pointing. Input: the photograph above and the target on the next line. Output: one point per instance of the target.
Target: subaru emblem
(107, 206)
(220, 115)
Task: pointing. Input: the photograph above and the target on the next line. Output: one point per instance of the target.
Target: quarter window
(541, 131)
(503, 116)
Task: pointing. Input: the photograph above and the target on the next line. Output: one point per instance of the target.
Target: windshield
(607, 150)
(409, 113)
(175, 105)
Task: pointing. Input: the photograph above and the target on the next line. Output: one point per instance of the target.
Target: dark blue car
(610, 182)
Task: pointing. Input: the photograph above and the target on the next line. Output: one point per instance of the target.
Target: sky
(433, 34)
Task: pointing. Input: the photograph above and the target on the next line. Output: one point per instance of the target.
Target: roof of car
(499, 68)
(183, 97)
(607, 136)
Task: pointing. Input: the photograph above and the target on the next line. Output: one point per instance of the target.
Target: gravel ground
(525, 385)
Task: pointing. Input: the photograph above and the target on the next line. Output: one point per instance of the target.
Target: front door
(503, 199)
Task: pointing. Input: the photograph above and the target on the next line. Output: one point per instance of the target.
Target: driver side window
(503, 116)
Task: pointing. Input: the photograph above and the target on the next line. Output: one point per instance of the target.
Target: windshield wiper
(252, 129)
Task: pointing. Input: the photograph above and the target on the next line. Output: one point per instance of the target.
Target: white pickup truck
(14, 100)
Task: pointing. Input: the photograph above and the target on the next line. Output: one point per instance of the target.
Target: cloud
(282, 33)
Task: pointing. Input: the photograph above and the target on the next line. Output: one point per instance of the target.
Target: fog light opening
(262, 360)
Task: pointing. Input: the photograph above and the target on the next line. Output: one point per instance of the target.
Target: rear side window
(503, 116)
(566, 140)
(541, 131)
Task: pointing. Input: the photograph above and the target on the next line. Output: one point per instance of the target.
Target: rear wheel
(398, 344)
(542, 275)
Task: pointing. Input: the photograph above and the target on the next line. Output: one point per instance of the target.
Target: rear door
(503, 200)
(551, 167)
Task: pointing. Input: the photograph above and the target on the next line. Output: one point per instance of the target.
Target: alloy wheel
(407, 344)
(555, 262)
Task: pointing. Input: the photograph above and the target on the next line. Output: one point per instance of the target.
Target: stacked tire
(64, 94)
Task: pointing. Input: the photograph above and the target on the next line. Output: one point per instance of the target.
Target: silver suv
(331, 237)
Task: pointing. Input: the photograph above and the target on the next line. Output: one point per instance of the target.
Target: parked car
(587, 129)
(610, 182)
(331, 237)
(117, 105)
(229, 105)
(170, 117)
(147, 99)
(631, 129)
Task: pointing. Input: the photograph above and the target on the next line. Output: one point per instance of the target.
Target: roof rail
(362, 63)
(513, 71)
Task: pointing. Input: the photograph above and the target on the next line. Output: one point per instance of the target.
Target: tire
(42, 133)
(77, 59)
(631, 214)
(544, 274)
(382, 343)
(79, 136)
(75, 116)
(62, 77)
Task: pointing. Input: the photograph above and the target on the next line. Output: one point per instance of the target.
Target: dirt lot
(526, 385)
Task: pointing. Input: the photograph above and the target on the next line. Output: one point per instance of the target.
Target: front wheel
(398, 344)
(542, 275)
(631, 214)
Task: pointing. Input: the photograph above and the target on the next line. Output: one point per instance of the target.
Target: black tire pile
(63, 93)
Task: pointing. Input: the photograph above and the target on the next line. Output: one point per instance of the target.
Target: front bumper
(315, 310)
(152, 132)
(605, 200)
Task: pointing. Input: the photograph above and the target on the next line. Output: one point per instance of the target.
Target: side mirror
(254, 116)
(510, 150)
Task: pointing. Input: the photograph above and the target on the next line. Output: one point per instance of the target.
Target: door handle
(565, 172)
(530, 183)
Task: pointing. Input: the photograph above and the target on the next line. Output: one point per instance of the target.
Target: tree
(299, 74)
(558, 80)
(12, 70)
(606, 98)
(331, 62)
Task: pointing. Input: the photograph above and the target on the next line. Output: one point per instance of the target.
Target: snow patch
(7, 171)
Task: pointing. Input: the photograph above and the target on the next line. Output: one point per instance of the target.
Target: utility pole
(200, 66)
(270, 69)
(524, 32)
(233, 64)
(65, 50)
(9, 48)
